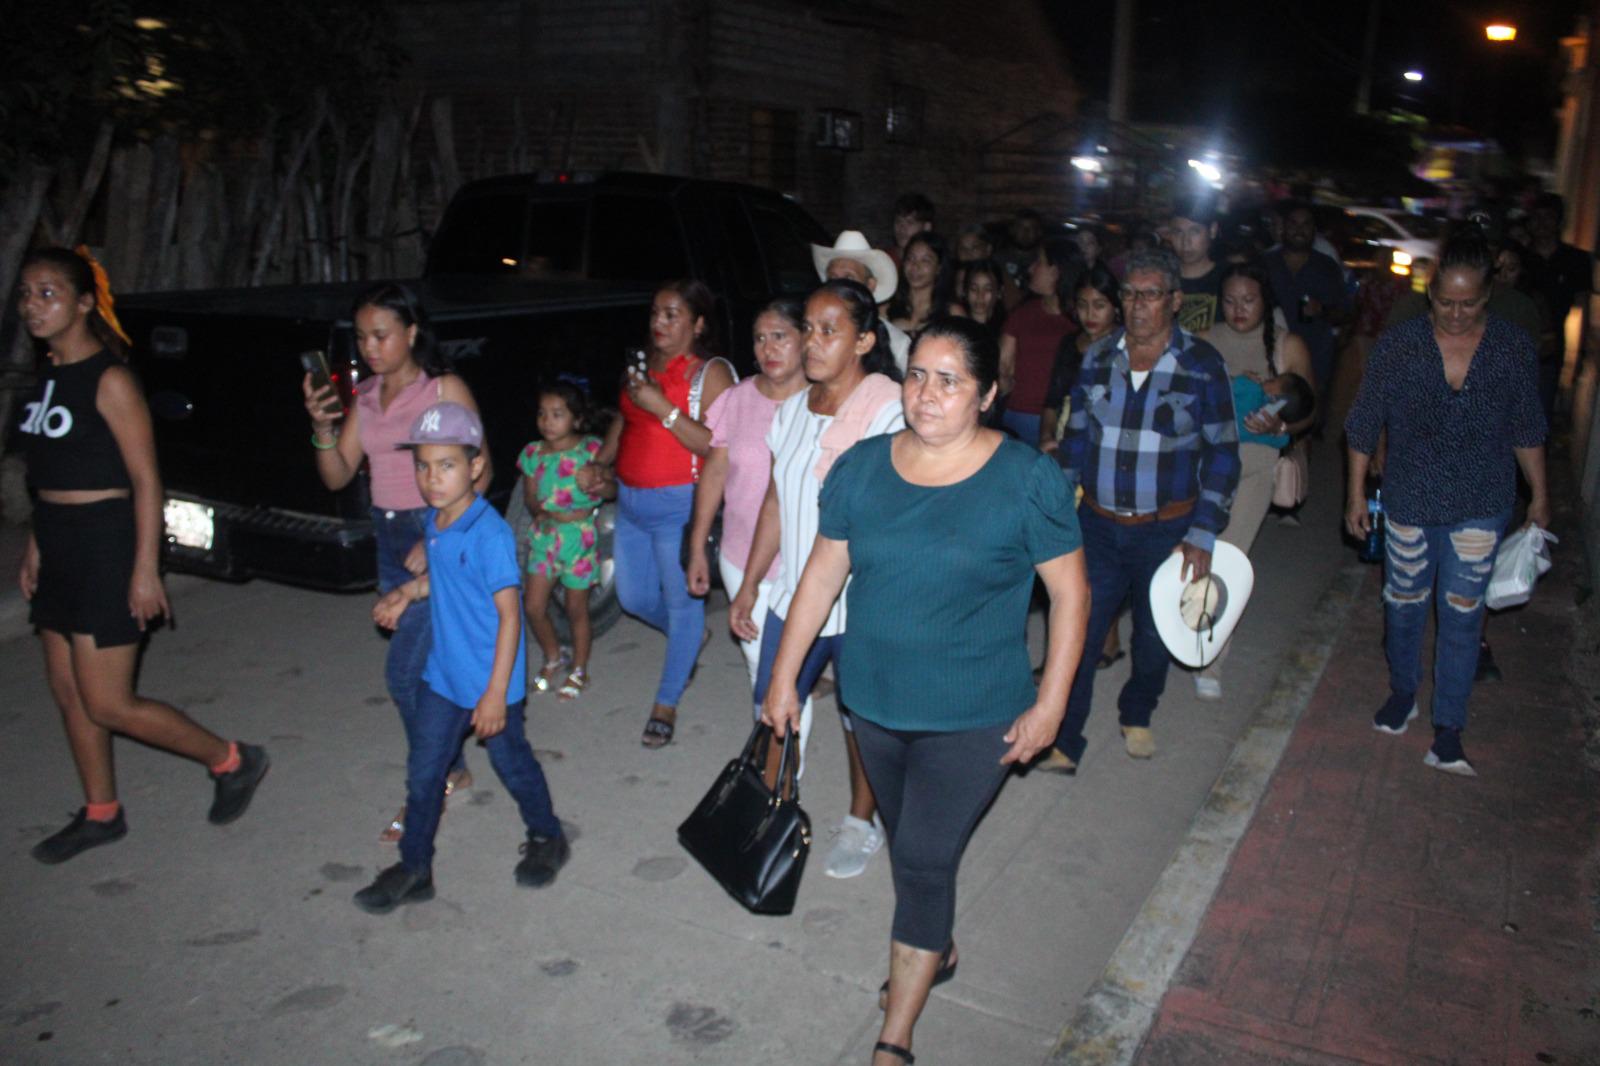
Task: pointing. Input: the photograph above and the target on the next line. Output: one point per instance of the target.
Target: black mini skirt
(85, 567)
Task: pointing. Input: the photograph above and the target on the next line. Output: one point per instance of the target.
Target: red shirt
(1038, 334)
(649, 455)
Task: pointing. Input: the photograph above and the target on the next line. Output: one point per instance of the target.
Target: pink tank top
(392, 471)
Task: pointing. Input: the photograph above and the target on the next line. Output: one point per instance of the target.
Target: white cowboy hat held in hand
(1195, 619)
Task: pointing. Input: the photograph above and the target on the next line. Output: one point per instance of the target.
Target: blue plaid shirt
(1137, 450)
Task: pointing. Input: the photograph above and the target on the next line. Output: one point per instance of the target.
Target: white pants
(732, 580)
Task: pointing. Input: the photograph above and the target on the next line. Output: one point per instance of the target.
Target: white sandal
(545, 679)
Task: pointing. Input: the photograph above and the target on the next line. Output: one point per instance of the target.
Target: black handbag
(753, 839)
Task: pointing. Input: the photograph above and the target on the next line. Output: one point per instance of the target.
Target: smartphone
(316, 364)
(1273, 406)
(638, 364)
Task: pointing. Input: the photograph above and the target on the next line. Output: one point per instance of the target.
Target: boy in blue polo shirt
(475, 678)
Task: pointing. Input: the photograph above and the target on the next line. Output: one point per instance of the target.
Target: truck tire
(604, 607)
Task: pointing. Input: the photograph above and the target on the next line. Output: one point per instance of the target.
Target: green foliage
(194, 67)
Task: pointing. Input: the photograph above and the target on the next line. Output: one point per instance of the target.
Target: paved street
(187, 943)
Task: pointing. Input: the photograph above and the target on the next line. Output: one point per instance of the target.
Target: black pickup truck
(527, 278)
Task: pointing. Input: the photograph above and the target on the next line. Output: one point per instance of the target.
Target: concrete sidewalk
(1380, 912)
(186, 943)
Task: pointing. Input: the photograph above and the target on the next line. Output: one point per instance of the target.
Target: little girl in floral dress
(562, 537)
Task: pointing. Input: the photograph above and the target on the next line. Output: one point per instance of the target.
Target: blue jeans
(435, 736)
(1121, 561)
(824, 650)
(650, 581)
(1455, 561)
(396, 533)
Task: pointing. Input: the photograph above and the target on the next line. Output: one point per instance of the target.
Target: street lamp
(1500, 32)
(1412, 75)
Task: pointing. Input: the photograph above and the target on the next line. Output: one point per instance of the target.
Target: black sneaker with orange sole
(80, 835)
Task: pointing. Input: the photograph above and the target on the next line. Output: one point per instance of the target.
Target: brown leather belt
(1160, 514)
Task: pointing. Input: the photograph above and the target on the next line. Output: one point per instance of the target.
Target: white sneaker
(854, 842)
(1207, 688)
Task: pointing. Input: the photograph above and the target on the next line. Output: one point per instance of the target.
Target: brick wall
(567, 84)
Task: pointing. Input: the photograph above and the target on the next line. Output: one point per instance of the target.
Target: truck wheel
(604, 608)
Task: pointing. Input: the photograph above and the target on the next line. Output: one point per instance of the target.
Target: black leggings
(931, 788)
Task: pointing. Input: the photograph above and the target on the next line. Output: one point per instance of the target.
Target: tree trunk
(127, 212)
(267, 243)
(93, 174)
(19, 215)
(161, 264)
(388, 149)
(345, 223)
(245, 209)
(198, 250)
(444, 139)
(19, 212)
(405, 246)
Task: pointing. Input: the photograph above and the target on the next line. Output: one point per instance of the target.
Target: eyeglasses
(1144, 296)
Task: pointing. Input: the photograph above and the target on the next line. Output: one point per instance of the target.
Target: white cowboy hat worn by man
(852, 244)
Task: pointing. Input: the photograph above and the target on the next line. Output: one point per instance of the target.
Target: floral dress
(562, 551)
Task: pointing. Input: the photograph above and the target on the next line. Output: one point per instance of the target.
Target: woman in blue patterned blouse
(1457, 392)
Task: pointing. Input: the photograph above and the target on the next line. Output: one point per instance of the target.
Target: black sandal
(946, 970)
(1105, 661)
(657, 733)
(895, 1050)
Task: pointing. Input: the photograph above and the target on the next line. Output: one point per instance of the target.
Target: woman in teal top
(942, 529)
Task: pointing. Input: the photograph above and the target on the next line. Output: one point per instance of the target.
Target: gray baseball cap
(445, 423)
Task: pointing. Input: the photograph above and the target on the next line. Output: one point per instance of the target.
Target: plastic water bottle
(1372, 548)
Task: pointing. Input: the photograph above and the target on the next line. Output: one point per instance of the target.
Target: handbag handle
(787, 787)
(697, 386)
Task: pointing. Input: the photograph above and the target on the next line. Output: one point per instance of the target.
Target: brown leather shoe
(1140, 742)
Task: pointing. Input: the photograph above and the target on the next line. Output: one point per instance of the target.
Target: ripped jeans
(1452, 562)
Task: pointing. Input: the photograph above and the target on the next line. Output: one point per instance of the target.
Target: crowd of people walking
(934, 435)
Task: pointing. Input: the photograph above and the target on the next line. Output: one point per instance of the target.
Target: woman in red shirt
(1031, 335)
(656, 449)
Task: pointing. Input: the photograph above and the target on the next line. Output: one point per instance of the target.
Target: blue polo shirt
(468, 562)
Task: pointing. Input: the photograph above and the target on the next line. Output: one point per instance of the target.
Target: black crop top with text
(66, 440)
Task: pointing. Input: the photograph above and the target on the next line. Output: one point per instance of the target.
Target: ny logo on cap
(430, 421)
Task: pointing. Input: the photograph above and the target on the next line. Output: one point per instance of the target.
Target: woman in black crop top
(91, 569)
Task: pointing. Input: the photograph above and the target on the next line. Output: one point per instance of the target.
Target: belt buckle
(1124, 514)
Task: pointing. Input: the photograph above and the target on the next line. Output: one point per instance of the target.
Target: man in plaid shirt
(1152, 441)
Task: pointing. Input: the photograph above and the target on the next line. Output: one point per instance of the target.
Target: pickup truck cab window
(635, 238)
(481, 235)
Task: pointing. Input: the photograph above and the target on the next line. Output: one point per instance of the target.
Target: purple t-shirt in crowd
(739, 419)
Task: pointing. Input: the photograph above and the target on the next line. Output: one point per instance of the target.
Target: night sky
(1278, 71)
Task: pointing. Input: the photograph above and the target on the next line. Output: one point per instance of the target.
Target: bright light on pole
(1088, 164)
(1412, 75)
(1500, 31)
